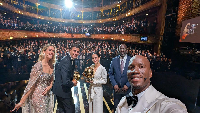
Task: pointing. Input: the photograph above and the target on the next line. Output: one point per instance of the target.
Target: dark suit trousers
(65, 105)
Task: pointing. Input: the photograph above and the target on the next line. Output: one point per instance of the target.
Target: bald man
(144, 98)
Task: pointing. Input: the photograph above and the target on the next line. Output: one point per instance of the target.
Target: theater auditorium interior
(166, 32)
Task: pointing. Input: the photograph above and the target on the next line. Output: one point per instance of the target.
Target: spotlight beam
(68, 3)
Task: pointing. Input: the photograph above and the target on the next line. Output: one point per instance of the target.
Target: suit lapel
(145, 104)
(126, 65)
(73, 67)
(118, 62)
(152, 97)
(70, 64)
(141, 105)
(122, 106)
(148, 100)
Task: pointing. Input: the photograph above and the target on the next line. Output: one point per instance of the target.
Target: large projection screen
(190, 30)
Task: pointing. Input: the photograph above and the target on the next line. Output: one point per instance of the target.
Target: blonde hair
(41, 56)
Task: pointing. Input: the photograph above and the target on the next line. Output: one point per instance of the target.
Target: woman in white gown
(96, 89)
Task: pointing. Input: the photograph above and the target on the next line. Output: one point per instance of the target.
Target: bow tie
(132, 100)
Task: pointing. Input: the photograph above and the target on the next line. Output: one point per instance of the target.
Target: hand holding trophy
(76, 75)
(89, 74)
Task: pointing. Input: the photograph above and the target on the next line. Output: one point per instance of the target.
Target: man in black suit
(64, 81)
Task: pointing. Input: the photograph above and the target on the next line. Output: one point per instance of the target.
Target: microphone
(145, 79)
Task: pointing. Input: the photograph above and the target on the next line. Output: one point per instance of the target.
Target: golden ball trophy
(76, 75)
(89, 73)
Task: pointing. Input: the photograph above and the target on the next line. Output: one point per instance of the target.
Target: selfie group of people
(129, 76)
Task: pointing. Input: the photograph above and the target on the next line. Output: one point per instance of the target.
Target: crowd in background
(72, 13)
(9, 20)
(19, 56)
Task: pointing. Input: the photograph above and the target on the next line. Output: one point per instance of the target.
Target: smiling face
(139, 72)
(95, 58)
(49, 52)
(74, 52)
(122, 50)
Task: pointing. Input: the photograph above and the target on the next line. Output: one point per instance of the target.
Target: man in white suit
(144, 98)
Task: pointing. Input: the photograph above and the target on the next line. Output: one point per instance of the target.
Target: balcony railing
(20, 34)
(149, 5)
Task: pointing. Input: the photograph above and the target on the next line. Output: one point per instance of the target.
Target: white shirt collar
(125, 57)
(140, 94)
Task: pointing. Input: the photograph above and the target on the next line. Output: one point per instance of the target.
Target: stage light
(68, 3)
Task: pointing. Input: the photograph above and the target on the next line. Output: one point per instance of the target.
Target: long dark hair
(97, 53)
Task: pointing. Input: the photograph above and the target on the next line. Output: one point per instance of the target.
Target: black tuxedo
(63, 83)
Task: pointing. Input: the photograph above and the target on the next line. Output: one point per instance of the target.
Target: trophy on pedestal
(89, 73)
(76, 75)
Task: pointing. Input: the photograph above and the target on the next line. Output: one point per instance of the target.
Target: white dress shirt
(124, 59)
(138, 95)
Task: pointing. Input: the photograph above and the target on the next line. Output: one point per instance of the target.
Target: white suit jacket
(152, 101)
